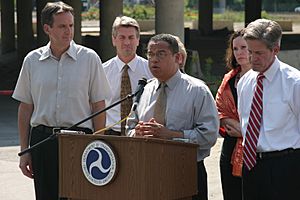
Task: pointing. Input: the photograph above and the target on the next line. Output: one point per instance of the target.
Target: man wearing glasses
(176, 105)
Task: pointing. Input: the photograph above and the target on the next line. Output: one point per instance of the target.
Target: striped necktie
(254, 123)
(125, 90)
(160, 105)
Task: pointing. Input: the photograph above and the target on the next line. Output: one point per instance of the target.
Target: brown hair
(54, 8)
(230, 60)
(124, 21)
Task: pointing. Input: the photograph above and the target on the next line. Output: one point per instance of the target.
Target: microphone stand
(56, 131)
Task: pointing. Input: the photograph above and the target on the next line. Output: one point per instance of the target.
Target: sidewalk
(15, 186)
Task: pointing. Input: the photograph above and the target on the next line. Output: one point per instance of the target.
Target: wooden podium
(147, 169)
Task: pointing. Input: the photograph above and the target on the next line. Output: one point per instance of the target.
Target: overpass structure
(17, 41)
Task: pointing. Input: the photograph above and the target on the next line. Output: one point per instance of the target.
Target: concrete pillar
(252, 10)
(205, 17)
(42, 38)
(7, 26)
(109, 10)
(25, 41)
(76, 4)
(169, 17)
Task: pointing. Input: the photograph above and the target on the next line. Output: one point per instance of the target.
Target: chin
(257, 69)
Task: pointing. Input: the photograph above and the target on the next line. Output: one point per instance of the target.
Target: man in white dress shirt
(275, 172)
(125, 38)
(59, 85)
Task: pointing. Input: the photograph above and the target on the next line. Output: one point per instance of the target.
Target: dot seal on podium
(99, 163)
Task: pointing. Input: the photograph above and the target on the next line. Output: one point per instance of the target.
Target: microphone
(138, 92)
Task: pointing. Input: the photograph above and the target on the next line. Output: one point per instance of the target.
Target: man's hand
(155, 129)
(26, 165)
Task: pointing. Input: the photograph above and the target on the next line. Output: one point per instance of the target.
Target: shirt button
(59, 91)
(59, 78)
(57, 106)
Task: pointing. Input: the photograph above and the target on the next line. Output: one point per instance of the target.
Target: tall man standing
(59, 85)
(176, 105)
(269, 109)
(124, 70)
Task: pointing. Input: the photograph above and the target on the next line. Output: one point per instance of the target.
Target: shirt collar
(270, 73)
(132, 64)
(171, 83)
(46, 51)
(72, 51)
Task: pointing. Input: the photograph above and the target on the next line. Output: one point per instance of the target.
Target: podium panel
(147, 169)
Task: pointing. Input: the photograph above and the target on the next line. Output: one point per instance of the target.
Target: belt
(112, 132)
(47, 129)
(273, 154)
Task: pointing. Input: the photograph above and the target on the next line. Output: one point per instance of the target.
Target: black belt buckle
(260, 155)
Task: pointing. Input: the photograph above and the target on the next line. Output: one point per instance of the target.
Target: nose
(68, 30)
(239, 52)
(126, 41)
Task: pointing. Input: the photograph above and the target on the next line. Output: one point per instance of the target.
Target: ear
(113, 41)
(276, 49)
(46, 28)
(178, 58)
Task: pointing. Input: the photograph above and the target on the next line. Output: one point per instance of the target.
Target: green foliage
(139, 11)
(190, 14)
(211, 80)
(191, 4)
(134, 11)
(275, 17)
(230, 15)
(91, 14)
(239, 16)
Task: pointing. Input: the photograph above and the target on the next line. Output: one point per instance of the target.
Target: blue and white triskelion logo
(98, 163)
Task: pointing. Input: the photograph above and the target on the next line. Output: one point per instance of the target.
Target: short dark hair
(170, 39)
(54, 8)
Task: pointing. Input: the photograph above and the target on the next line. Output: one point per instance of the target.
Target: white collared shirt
(280, 128)
(61, 90)
(138, 68)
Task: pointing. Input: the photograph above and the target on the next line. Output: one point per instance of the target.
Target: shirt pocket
(177, 119)
(276, 115)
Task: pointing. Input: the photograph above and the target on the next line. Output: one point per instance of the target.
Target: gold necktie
(160, 105)
(125, 90)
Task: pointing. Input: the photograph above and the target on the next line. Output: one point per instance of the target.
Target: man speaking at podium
(59, 85)
(176, 105)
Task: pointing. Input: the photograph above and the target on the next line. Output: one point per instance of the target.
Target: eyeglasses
(160, 55)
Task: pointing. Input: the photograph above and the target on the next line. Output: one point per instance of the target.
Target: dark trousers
(231, 185)
(202, 182)
(45, 164)
(273, 178)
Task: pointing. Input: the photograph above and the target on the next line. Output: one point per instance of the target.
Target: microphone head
(143, 81)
